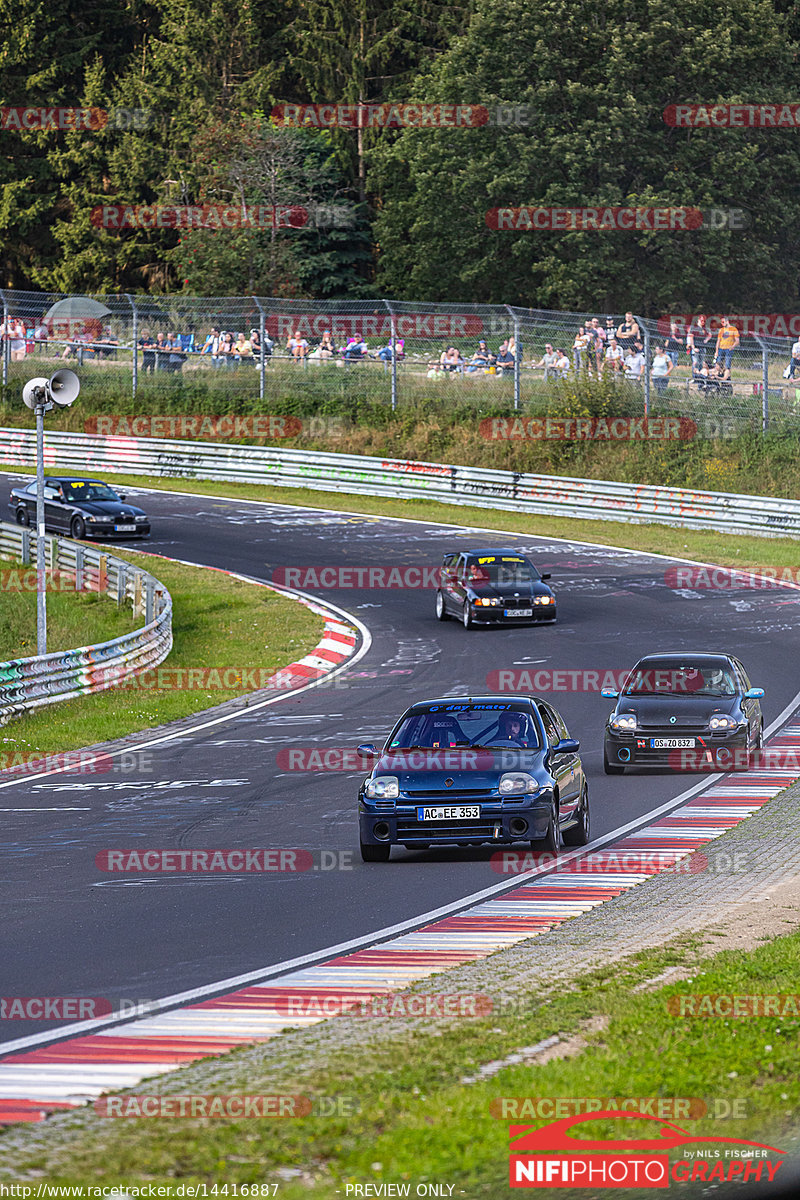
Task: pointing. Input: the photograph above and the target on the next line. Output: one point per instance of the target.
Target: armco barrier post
(149, 597)
(642, 325)
(263, 357)
(25, 547)
(135, 340)
(6, 339)
(122, 584)
(79, 568)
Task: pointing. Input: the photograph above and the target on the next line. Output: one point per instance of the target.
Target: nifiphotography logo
(553, 1157)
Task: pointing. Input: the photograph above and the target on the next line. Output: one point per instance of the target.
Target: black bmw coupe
(81, 508)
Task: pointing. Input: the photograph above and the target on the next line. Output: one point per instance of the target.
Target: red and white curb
(65, 1074)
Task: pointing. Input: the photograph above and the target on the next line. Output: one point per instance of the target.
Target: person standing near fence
(727, 341)
(580, 349)
(661, 370)
(794, 365)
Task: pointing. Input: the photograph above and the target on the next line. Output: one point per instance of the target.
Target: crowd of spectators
(601, 347)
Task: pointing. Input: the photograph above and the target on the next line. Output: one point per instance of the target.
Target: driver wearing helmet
(511, 727)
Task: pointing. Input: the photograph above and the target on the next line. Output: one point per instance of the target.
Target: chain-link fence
(246, 352)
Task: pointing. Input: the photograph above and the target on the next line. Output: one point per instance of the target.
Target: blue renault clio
(474, 771)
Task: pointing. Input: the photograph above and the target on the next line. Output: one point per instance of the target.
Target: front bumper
(543, 614)
(634, 749)
(92, 530)
(499, 823)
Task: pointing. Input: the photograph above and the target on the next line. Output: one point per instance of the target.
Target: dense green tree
(597, 79)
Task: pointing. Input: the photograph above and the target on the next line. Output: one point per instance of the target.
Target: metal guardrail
(30, 683)
(558, 496)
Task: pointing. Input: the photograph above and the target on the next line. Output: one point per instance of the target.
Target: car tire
(612, 768)
(375, 853)
(77, 528)
(22, 517)
(441, 611)
(466, 617)
(580, 833)
(551, 843)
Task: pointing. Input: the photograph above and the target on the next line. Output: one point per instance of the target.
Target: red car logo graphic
(554, 1137)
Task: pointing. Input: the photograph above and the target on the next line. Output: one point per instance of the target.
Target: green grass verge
(72, 619)
(343, 411)
(407, 1117)
(217, 622)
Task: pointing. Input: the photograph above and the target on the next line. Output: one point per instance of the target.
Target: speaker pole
(41, 594)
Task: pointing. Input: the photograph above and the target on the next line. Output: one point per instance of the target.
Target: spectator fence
(390, 352)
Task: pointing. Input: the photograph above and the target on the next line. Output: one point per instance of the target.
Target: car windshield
(78, 490)
(655, 678)
(482, 726)
(502, 570)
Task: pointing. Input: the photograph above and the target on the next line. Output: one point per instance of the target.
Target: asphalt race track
(71, 930)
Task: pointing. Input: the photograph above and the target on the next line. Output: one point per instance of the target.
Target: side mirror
(754, 694)
(610, 694)
(545, 576)
(566, 746)
(123, 497)
(367, 750)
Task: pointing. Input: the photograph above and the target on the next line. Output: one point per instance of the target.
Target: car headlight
(517, 783)
(142, 518)
(723, 722)
(383, 787)
(544, 600)
(628, 721)
(99, 518)
(486, 602)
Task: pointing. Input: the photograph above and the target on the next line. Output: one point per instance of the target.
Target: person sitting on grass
(481, 359)
(355, 350)
(451, 360)
(505, 358)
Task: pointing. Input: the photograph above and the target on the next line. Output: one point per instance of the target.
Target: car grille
(440, 831)
(448, 795)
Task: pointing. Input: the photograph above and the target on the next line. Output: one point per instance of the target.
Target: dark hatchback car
(493, 587)
(684, 711)
(467, 772)
(81, 508)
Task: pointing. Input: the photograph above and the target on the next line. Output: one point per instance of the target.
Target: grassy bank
(217, 622)
(73, 619)
(407, 1113)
